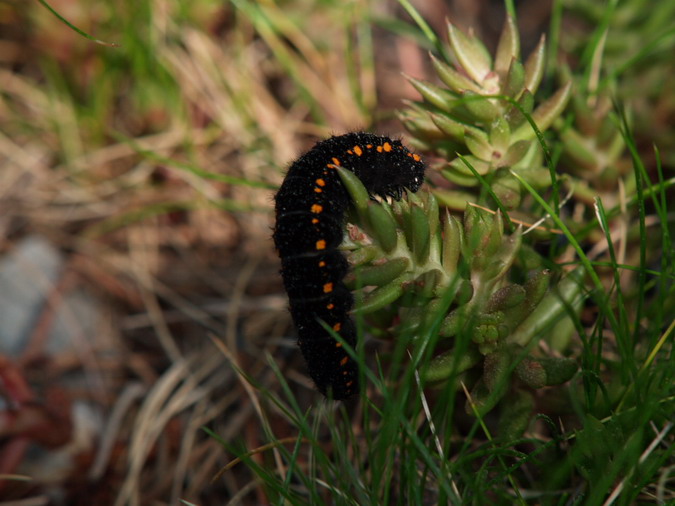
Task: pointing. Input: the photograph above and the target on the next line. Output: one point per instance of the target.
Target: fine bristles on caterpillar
(310, 215)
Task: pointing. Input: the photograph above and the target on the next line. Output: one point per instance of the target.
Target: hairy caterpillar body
(310, 215)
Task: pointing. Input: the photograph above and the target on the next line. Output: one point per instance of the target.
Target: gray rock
(28, 273)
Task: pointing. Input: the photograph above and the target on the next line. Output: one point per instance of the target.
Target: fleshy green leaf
(508, 48)
(471, 54)
(479, 145)
(500, 135)
(534, 66)
(383, 227)
(433, 94)
(377, 275)
(356, 190)
(484, 109)
(452, 243)
(446, 365)
(479, 166)
(515, 80)
(454, 80)
(545, 114)
(420, 234)
(379, 298)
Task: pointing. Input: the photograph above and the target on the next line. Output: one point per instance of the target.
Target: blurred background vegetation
(137, 173)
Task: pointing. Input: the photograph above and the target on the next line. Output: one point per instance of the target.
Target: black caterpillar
(310, 214)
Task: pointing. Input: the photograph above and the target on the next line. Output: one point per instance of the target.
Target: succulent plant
(483, 113)
(407, 258)
(592, 143)
(472, 295)
(631, 57)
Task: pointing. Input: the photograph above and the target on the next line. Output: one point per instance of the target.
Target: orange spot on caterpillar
(315, 221)
(338, 344)
(344, 361)
(318, 190)
(416, 157)
(320, 182)
(320, 244)
(330, 306)
(358, 150)
(387, 147)
(349, 383)
(317, 208)
(379, 149)
(336, 161)
(322, 264)
(369, 146)
(350, 152)
(337, 327)
(328, 287)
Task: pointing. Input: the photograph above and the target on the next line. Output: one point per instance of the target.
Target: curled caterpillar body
(310, 215)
